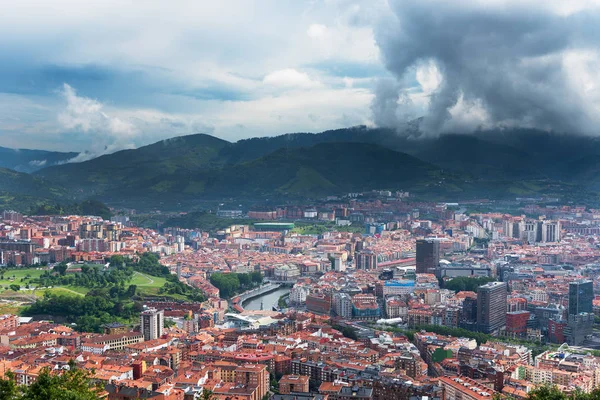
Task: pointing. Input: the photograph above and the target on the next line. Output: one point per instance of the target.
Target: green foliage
(60, 268)
(347, 331)
(547, 392)
(174, 286)
(189, 166)
(306, 165)
(86, 207)
(150, 163)
(15, 287)
(73, 384)
(148, 263)
(116, 261)
(440, 354)
(89, 312)
(169, 323)
(230, 284)
(466, 283)
(111, 296)
(205, 221)
(281, 301)
(18, 183)
(8, 387)
(91, 276)
(207, 394)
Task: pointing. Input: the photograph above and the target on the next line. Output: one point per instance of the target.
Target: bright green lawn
(19, 274)
(148, 285)
(143, 280)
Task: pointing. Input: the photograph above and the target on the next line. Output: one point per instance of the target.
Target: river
(268, 299)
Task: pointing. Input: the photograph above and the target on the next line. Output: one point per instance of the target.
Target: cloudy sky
(106, 75)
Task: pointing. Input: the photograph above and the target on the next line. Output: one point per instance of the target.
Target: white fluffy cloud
(101, 75)
(290, 78)
(87, 115)
(236, 68)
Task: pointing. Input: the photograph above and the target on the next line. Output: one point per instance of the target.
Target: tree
(256, 277)
(207, 395)
(547, 393)
(8, 388)
(15, 287)
(73, 384)
(60, 268)
(117, 261)
(347, 331)
(131, 291)
(466, 283)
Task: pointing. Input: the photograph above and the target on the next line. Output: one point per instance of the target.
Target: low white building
(298, 294)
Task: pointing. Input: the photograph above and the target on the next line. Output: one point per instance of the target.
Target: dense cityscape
(417, 300)
(300, 200)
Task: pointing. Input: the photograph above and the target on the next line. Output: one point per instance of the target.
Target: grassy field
(10, 308)
(148, 285)
(68, 290)
(143, 280)
(19, 276)
(318, 228)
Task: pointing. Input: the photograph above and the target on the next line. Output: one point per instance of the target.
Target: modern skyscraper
(550, 231)
(428, 256)
(581, 295)
(152, 323)
(491, 306)
(468, 315)
(579, 327)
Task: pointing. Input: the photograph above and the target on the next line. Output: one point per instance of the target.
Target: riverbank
(268, 300)
(240, 302)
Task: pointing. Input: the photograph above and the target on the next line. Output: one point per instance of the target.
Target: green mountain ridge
(503, 163)
(22, 192)
(25, 160)
(129, 166)
(327, 168)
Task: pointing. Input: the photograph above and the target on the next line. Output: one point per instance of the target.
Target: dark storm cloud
(506, 58)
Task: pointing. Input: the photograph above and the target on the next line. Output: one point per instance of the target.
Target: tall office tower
(550, 231)
(491, 307)
(468, 314)
(152, 323)
(428, 256)
(179, 269)
(581, 295)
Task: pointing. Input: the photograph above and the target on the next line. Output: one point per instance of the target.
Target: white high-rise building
(342, 305)
(152, 322)
(298, 294)
(551, 231)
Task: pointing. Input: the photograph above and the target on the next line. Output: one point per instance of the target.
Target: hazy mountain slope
(24, 160)
(251, 149)
(326, 168)
(25, 184)
(505, 163)
(476, 157)
(131, 166)
(21, 191)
